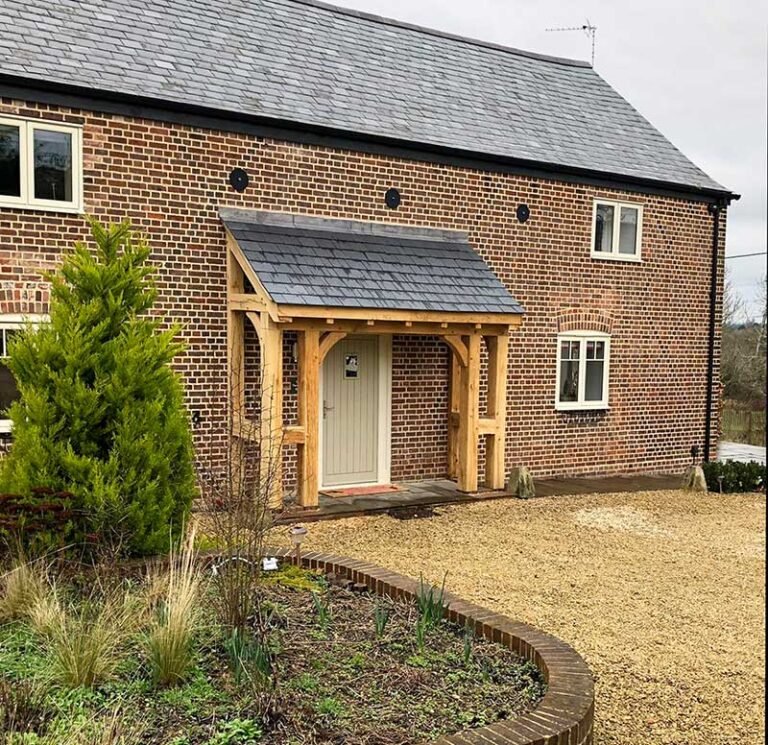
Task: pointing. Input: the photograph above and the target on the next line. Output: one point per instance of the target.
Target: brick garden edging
(563, 717)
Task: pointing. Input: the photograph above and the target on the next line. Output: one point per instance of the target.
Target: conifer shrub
(100, 413)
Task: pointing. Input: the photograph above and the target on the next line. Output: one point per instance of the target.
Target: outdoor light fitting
(298, 533)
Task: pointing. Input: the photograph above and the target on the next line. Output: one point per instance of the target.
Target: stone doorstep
(565, 714)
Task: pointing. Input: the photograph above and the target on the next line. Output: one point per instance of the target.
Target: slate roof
(312, 64)
(345, 264)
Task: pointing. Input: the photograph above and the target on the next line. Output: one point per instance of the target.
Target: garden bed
(348, 666)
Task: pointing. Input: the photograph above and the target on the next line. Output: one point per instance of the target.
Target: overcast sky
(696, 69)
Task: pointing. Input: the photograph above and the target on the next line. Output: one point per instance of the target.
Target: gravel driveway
(662, 592)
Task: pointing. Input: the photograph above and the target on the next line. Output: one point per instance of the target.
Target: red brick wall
(170, 180)
(419, 406)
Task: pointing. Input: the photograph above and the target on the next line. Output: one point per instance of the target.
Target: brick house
(438, 255)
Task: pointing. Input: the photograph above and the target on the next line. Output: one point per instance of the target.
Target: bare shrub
(235, 496)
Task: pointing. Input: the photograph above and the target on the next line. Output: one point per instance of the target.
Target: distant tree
(743, 357)
(733, 303)
(100, 412)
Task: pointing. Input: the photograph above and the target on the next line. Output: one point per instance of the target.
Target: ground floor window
(10, 325)
(582, 370)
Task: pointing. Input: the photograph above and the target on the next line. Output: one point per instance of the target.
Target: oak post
(469, 408)
(498, 362)
(453, 415)
(309, 416)
(271, 418)
(235, 375)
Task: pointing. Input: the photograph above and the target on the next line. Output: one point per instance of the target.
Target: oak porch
(318, 329)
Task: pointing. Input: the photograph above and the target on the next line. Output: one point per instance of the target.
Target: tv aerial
(587, 28)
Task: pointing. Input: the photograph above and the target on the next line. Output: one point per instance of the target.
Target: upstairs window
(617, 230)
(40, 165)
(582, 370)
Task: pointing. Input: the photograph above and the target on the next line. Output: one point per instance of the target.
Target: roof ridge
(384, 20)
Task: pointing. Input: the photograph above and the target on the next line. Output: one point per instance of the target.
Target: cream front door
(350, 413)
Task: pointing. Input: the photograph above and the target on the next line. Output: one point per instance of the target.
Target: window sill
(22, 207)
(578, 407)
(616, 257)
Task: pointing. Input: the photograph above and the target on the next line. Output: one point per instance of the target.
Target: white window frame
(27, 200)
(613, 254)
(582, 404)
(17, 321)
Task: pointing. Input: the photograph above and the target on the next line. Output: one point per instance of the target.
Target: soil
(343, 685)
(335, 679)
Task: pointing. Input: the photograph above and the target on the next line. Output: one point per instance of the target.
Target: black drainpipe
(714, 209)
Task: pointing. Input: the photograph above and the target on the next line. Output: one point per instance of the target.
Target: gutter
(714, 209)
(195, 115)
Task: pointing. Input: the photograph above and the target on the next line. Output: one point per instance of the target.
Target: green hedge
(734, 476)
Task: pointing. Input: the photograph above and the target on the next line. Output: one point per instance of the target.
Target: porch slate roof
(320, 66)
(347, 264)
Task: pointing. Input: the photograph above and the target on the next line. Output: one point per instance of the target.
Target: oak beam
(487, 425)
(328, 341)
(458, 347)
(245, 301)
(309, 362)
(293, 435)
(393, 327)
(412, 316)
(256, 322)
(495, 439)
(469, 406)
(250, 430)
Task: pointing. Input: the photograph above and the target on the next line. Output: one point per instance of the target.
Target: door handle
(326, 409)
